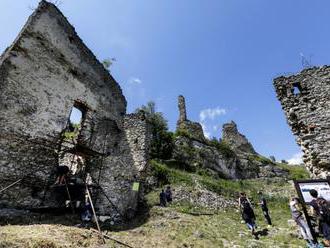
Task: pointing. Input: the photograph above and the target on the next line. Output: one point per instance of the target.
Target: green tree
(107, 63)
(162, 140)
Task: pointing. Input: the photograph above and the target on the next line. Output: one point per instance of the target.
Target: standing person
(321, 209)
(62, 172)
(162, 199)
(264, 208)
(247, 212)
(297, 216)
(168, 193)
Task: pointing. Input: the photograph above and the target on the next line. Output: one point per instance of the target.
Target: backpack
(245, 204)
(324, 209)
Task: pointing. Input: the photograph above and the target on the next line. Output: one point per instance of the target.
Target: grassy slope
(174, 226)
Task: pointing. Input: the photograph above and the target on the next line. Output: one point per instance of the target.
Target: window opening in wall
(75, 118)
(75, 121)
(296, 89)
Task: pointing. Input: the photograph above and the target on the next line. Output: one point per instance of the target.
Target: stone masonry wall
(305, 99)
(43, 74)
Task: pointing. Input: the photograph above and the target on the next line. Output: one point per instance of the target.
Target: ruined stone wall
(305, 99)
(46, 72)
(123, 167)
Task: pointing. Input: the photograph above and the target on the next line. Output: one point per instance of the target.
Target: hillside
(203, 214)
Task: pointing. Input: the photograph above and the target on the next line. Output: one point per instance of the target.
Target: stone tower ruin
(182, 109)
(305, 99)
(193, 129)
(47, 73)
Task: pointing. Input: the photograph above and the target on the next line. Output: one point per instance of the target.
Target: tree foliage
(162, 140)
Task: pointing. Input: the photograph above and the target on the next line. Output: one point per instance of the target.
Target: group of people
(165, 196)
(248, 214)
(319, 215)
(318, 212)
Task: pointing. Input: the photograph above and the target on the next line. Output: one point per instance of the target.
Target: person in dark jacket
(168, 193)
(247, 212)
(264, 208)
(162, 199)
(321, 209)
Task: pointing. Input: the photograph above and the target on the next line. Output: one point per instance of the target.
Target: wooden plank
(11, 185)
(95, 217)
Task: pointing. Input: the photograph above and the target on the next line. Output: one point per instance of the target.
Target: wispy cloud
(296, 159)
(134, 80)
(134, 91)
(208, 117)
(211, 113)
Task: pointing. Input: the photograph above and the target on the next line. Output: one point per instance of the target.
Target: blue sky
(221, 55)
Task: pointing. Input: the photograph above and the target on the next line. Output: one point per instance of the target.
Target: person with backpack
(298, 217)
(247, 213)
(321, 209)
(264, 208)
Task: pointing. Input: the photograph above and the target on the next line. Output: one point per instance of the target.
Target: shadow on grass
(263, 232)
(65, 216)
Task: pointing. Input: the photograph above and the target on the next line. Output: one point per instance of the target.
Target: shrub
(260, 159)
(166, 175)
(223, 147)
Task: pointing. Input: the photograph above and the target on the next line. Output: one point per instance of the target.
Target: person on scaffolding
(62, 172)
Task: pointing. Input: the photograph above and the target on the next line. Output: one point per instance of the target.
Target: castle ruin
(305, 99)
(47, 73)
(194, 129)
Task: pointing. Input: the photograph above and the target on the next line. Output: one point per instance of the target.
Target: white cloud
(296, 158)
(211, 113)
(205, 131)
(134, 80)
(208, 119)
(134, 91)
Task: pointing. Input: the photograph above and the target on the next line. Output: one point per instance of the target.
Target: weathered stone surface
(193, 129)
(46, 72)
(182, 109)
(305, 99)
(237, 141)
(203, 156)
(234, 159)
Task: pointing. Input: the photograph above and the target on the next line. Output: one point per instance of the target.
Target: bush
(166, 175)
(223, 147)
(261, 159)
(183, 133)
(179, 165)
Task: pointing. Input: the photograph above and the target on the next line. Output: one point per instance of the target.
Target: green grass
(179, 226)
(260, 159)
(229, 188)
(296, 172)
(167, 175)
